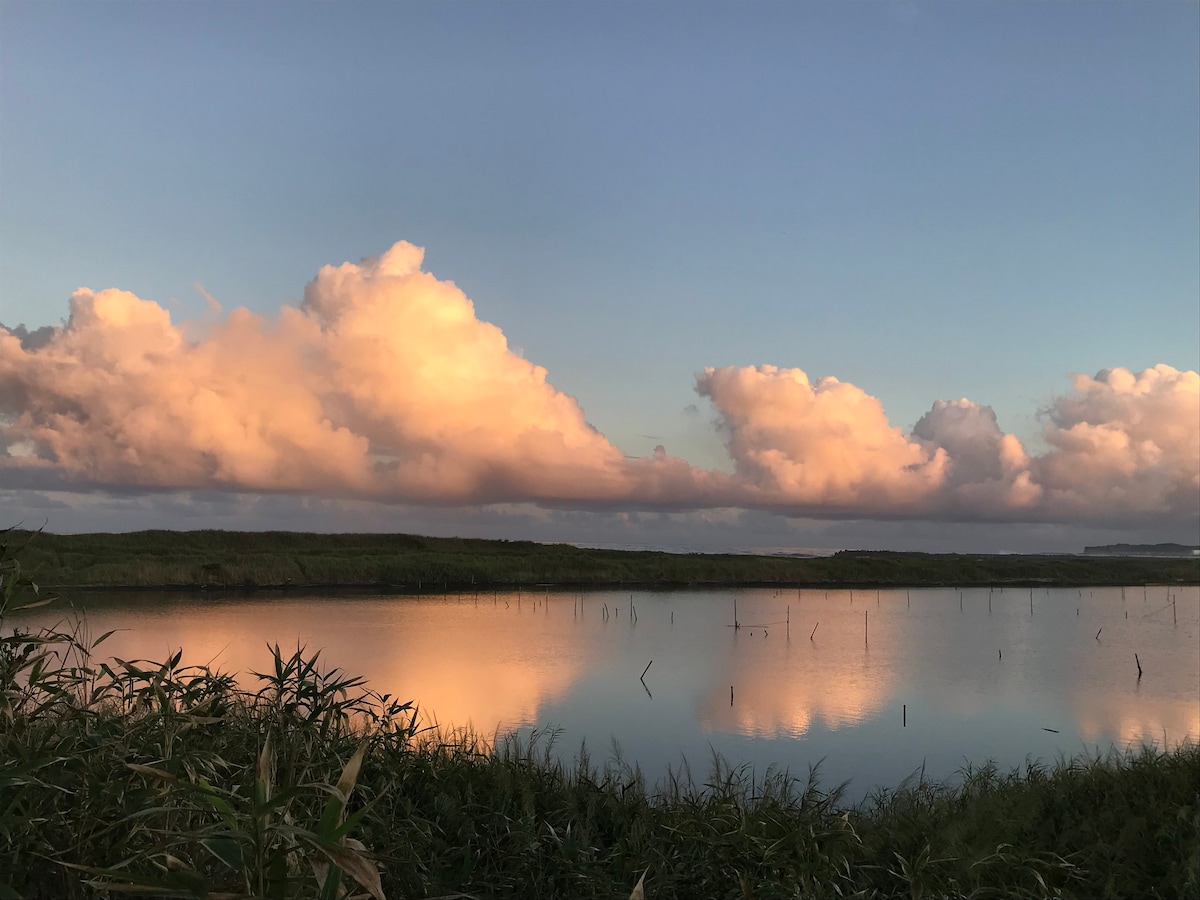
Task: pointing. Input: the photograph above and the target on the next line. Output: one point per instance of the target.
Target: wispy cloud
(384, 384)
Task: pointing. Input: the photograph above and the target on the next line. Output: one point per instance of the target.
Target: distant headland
(1163, 550)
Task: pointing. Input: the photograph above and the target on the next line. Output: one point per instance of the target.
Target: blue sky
(928, 200)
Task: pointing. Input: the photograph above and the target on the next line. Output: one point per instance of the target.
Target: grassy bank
(159, 779)
(409, 562)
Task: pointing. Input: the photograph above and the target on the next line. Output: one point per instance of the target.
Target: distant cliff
(1142, 550)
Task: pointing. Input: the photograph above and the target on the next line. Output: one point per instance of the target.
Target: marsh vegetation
(226, 559)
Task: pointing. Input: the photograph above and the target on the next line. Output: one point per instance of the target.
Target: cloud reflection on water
(506, 663)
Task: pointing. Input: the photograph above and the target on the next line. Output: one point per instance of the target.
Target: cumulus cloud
(987, 468)
(383, 384)
(1126, 441)
(823, 444)
(1121, 444)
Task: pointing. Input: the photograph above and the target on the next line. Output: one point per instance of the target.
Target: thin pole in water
(905, 721)
(1139, 665)
(814, 631)
(731, 695)
(866, 626)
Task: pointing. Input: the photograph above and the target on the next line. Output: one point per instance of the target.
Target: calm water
(980, 675)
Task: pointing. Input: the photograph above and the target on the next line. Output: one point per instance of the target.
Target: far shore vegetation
(415, 564)
(139, 778)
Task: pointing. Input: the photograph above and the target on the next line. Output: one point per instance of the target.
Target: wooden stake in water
(1139, 665)
(866, 626)
(731, 695)
(1031, 601)
(814, 631)
(905, 714)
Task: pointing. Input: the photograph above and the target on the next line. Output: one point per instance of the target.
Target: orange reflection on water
(769, 707)
(795, 691)
(467, 667)
(1159, 722)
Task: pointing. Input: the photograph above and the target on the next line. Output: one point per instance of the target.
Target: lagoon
(872, 686)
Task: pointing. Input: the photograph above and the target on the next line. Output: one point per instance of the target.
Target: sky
(907, 275)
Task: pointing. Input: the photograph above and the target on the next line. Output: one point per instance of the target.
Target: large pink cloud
(1126, 441)
(822, 444)
(384, 384)
(1120, 445)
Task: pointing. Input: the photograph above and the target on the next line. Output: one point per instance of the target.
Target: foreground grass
(166, 780)
(412, 563)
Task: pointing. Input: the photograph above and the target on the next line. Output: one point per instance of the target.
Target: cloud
(822, 445)
(1126, 441)
(987, 468)
(1120, 445)
(384, 385)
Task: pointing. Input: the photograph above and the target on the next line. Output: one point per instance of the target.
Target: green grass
(133, 777)
(412, 563)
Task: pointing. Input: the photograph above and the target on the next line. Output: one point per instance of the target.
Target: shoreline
(402, 590)
(286, 562)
